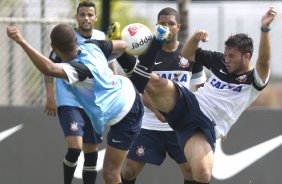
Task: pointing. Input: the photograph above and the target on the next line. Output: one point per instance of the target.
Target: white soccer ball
(138, 36)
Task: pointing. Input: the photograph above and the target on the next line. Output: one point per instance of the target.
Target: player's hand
(268, 17)
(14, 34)
(201, 35)
(113, 31)
(162, 33)
(50, 107)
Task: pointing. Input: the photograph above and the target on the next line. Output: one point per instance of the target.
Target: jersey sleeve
(258, 83)
(198, 75)
(53, 56)
(76, 71)
(208, 58)
(105, 45)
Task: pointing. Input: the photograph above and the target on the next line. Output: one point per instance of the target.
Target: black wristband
(265, 29)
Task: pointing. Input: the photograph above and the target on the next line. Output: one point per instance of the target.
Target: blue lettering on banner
(219, 85)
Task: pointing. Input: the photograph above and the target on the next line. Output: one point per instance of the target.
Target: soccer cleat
(161, 33)
(113, 31)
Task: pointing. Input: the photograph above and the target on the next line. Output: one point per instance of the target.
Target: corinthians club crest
(184, 63)
(242, 78)
(140, 151)
(74, 126)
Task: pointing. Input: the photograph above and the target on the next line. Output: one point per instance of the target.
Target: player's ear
(247, 56)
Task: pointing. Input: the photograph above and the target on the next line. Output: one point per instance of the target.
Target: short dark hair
(86, 3)
(63, 37)
(169, 11)
(242, 42)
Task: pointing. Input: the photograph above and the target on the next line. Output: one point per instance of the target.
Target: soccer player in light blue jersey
(75, 123)
(107, 99)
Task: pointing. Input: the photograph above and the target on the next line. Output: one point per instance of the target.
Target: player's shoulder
(97, 34)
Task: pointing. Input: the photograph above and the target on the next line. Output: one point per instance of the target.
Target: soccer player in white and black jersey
(202, 117)
(156, 139)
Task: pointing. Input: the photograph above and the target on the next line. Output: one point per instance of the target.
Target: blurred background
(22, 85)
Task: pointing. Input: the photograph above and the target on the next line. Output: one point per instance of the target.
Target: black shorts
(122, 134)
(186, 118)
(152, 146)
(75, 122)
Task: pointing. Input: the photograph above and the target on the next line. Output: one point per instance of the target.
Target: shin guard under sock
(124, 181)
(142, 72)
(69, 163)
(89, 172)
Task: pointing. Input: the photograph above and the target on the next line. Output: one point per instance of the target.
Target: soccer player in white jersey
(202, 117)
(156, 139)
(75, 123)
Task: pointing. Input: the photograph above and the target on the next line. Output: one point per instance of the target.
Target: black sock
(124, 181)
(142, 72)
(69, 163)
(193, 182)
(89, 172)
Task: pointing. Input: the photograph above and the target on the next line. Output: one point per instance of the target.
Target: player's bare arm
(50, 106)
(45, 65)
(263, 64)
(119, 47)
(191, 45)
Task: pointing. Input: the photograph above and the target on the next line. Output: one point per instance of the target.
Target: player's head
(86, 15)
(63, 39)
(238, 52)
(169, 17)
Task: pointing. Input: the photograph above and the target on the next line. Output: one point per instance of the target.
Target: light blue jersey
(105, 97)
(63, 96)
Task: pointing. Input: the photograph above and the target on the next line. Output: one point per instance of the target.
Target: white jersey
(241, 90)
(173, 66)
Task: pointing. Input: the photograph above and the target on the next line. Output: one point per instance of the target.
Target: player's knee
(203, 175)
(72, 155)
(129, 173)
(111, 176)
(187, 172)
(107, 175)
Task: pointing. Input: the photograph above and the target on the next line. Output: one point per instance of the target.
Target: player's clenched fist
(201, 35)
(14, 34)
(268, 17)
